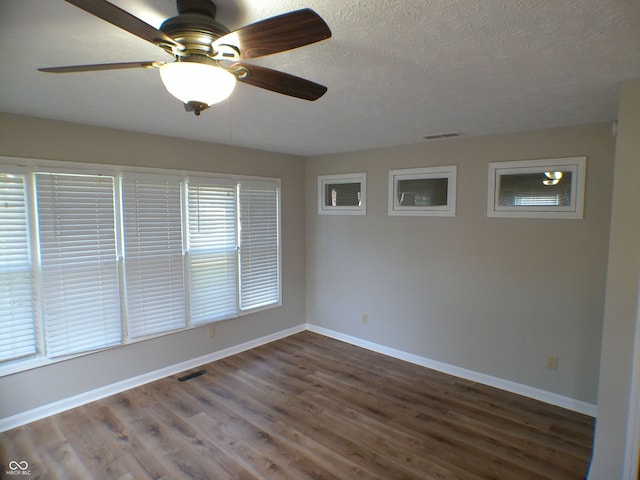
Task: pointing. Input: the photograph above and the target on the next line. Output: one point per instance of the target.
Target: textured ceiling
(396, 71)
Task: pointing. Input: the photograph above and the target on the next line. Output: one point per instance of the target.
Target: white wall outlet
(365, 318)
(552, 362)
(211, 331)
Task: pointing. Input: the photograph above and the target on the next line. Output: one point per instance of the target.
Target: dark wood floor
(308, 407)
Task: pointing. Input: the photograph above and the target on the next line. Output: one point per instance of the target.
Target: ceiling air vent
(435, 136)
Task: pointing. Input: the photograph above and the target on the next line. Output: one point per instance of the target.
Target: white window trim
(27, 166)
(449, 210)
(575, 210)
(361, 209)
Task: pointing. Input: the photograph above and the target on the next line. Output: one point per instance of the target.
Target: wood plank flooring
(308, 407)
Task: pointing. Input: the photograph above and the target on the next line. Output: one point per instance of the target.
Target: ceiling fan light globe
(553, 175)
(197, 82)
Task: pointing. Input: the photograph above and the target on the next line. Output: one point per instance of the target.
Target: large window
(94, 257)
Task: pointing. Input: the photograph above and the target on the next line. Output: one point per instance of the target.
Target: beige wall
(492, 295)
(43, 139)
(622, 296)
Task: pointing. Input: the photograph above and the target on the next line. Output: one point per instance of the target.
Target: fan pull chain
(229, 119)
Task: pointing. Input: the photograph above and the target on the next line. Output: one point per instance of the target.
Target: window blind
(212, 249)
(259, 244)
(94, 257)
(154, 274)
(17, 332)
(79, 271)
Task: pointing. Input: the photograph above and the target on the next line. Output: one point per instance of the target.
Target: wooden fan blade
(277, 34)
(123, 19)
(100, 66)
(280, 82)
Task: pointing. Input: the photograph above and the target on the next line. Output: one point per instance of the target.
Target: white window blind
(259, 244)
(212, 249)
(153, 254)
(79, 272)
(534, 200)
(17, 328)
(93, 257)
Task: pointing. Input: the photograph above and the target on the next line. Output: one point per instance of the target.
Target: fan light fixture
(197, 83)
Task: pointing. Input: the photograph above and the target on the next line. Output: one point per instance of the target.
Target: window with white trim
(546, 188)
(423, 191)
(344, 194)
(94, 257)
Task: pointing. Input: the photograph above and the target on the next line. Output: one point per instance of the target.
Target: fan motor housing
(195, 26)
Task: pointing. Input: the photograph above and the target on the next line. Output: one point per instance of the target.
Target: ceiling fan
(209, 58)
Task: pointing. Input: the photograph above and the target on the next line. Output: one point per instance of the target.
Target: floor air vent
(184, 378)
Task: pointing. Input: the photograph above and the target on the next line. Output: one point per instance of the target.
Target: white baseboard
(509, 386)
(92, 395)
(28, 416)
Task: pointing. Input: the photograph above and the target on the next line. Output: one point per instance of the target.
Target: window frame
(324, 209)
(448, 172)
(575, 210)
(29, 167)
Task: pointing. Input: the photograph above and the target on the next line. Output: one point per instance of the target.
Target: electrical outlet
(552, 362)
(365, 318)
(211, 332)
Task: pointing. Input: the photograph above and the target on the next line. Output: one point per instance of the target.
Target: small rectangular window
(537, 188)
(425, 191)
(342, 194)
